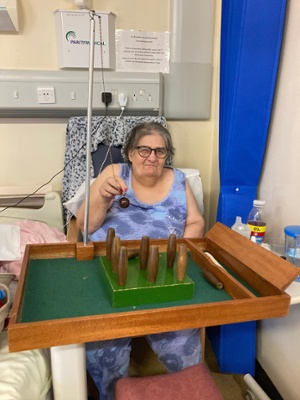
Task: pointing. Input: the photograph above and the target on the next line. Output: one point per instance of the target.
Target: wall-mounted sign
(140, 51)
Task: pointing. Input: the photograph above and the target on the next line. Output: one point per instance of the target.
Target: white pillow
(9, 242)
(194, 179)
(75, 202)
(24, 374)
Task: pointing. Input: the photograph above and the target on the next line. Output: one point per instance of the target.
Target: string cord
(109, 146)
(106, 107)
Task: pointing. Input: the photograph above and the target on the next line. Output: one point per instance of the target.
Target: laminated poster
(140, 51)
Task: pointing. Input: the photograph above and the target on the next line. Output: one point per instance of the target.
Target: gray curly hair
(144, 129)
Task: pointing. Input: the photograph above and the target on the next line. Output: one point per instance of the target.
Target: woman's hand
(102, 193)
(111, 187)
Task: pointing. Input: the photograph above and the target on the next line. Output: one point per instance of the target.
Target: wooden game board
(61, 299)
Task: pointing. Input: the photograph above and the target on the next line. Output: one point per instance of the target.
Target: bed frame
(51, 212)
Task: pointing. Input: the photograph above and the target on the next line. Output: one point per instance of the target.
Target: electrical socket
(46, 95)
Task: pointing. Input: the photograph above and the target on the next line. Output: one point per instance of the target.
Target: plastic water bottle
(256, 221)
(241, 228)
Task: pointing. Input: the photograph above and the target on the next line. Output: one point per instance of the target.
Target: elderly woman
(158, 201)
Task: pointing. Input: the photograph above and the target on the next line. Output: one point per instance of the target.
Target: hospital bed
(26, 375)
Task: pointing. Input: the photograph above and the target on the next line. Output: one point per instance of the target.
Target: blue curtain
(251, 36)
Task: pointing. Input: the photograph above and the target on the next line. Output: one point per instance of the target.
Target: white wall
(32, 151)
(278, 349)
(280, 181)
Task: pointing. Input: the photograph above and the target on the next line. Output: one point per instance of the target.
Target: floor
(232, 386)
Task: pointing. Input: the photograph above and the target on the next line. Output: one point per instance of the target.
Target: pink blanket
(31, 232)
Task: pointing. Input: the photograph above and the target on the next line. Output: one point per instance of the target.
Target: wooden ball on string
(124, 201)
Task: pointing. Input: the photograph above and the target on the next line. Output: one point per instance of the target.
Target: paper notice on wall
(140, 51)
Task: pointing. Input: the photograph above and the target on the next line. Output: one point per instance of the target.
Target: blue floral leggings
(108, 360)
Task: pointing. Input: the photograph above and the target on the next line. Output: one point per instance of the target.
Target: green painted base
(139, 291)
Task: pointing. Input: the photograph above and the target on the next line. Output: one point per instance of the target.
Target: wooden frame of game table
(253, 277)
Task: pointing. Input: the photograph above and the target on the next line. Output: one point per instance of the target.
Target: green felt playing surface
(65, 288)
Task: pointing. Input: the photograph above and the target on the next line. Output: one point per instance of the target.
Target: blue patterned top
(157, 220)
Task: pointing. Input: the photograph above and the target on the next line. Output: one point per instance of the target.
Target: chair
(192, 383)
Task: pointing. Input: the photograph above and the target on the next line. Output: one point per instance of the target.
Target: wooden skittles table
(62, 300)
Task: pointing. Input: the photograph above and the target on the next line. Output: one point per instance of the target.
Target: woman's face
(151, 165)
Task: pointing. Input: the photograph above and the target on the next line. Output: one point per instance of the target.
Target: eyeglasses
(145, 151)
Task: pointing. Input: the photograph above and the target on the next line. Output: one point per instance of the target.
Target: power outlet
(46, 95)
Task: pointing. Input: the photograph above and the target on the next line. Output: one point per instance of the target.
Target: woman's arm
(194, 222)
(102, 193)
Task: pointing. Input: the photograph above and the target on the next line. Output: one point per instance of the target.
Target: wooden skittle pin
(144, 252)
(122, 266)
(181, 263)
(132, 253)
(152, 266)
(115, 248)
(212, 279)
(171, 250)
(109, 239)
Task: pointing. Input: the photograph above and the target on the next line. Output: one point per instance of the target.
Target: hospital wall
(32, 150)
(280, 178)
